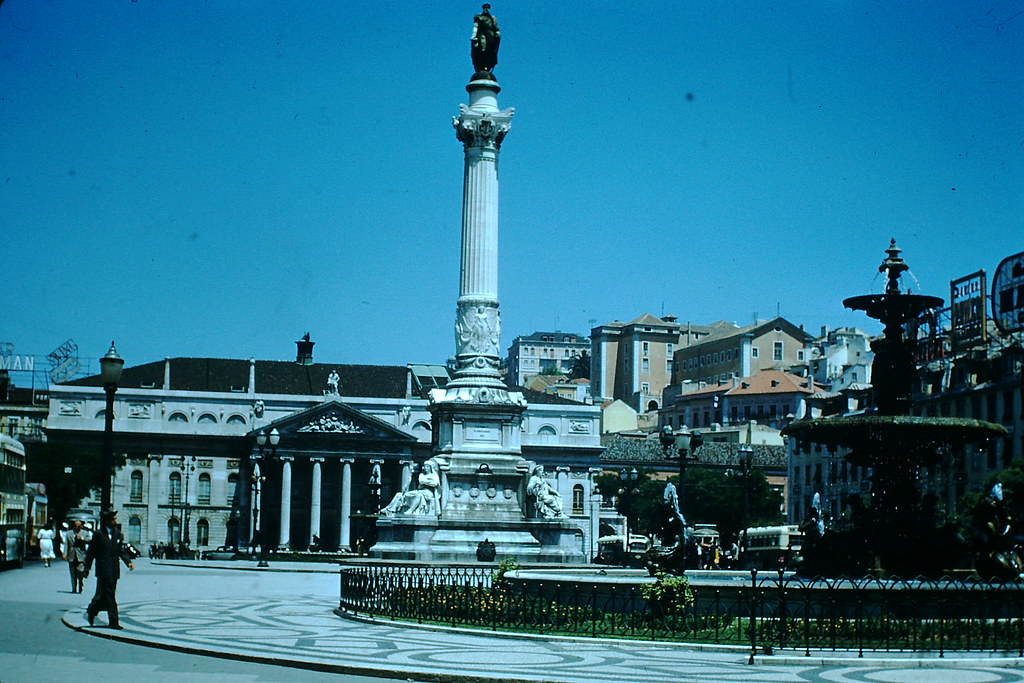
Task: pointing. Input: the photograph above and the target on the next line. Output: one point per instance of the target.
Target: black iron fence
(763, 612)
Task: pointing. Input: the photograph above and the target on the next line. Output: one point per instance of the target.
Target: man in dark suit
(106, 549)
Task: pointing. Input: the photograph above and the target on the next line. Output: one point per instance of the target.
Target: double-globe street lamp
(262, 439)
(187, 467)
(111, 366)
(682, 445)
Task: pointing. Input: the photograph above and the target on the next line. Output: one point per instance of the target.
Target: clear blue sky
(217, 178)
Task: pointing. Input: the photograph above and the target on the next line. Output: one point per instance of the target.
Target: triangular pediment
(337, 420)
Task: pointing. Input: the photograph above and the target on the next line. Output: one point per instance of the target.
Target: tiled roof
(648, 319)
(532, 396)
(774, 382)
(272, 377)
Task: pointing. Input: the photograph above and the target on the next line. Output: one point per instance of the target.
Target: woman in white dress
(46, 536)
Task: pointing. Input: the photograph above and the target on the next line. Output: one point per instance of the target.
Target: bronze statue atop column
(484, 43)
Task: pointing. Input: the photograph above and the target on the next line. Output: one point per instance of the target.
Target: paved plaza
(247, 624)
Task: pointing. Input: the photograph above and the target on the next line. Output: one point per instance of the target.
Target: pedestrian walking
(45, 537)
(75, 550)
(107, 550)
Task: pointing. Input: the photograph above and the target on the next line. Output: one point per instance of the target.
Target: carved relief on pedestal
(477, 330)
(478, 129)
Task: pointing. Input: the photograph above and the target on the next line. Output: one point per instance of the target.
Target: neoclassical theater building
(348, 437)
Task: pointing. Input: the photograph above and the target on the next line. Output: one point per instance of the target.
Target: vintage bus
(13, 503)
(771, 547)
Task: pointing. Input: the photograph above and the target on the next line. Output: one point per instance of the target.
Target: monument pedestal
(431, 540)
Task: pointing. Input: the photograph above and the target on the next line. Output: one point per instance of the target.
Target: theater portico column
(406, 474)
(286, 501)
(314, 500)
(345, 522)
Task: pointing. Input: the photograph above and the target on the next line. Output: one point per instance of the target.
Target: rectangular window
(645, 365)
(754, 352)
(645, 388)
(800, 354)
(777, 350)
(647, 348)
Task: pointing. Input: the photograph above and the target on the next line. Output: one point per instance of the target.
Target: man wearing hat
(106, 549)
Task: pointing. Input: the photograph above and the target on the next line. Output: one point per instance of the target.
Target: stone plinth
(432, 540)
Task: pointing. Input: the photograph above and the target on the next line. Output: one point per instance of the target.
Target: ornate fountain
(896, 531)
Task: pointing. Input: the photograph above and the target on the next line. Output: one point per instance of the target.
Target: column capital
(317, 459)
(346, 461)
(286, 458)
(482, 129)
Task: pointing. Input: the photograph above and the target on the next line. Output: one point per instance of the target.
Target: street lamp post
(262, 438)
(186, 471)
(111, 366)
(746, 453)
(628, 478)
(685, 445)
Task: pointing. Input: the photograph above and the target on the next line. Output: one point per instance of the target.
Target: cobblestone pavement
(301, 630)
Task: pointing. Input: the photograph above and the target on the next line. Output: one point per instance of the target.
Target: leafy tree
(1012, 479)
(716, 497)
(711, 497)
(580, 366)
(68, 472)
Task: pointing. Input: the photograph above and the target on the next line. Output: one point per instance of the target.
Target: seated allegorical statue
(424, 499)
(547, 499)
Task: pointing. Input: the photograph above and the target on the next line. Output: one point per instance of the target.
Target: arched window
(577, 499)
(421, 426)
(233, 488)
(135, 491)
(203, 532)
(135, 529)
(547, 430)
(652, 405)
(203, 489)
(178, 417)
(236, 420)
(207, 418)
(174, 492)
(174, 531)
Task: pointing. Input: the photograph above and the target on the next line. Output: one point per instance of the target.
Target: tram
(771, 547)
(13, 503)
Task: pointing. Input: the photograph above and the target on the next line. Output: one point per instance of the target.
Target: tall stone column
(345, 518)
(480, 127)
(314, 500)
(406, 474)
(286, 502)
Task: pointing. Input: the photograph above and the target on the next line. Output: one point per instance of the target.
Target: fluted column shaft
(286, 502)
(314, 500)
(345, 523)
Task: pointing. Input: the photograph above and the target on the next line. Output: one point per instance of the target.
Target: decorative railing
(763, 612)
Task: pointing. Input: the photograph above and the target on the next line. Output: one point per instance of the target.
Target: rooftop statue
(485, 41)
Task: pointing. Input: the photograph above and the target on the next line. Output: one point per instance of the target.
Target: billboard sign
(64, 363)
(967, 309)
(1008, 294)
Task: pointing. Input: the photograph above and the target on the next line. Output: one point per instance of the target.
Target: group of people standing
(82, 547)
